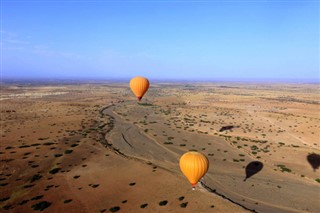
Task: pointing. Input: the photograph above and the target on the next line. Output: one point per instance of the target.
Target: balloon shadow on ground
(314, 160)
(224, 128)
(253, 168)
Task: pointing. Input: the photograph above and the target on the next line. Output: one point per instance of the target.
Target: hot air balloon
(139, 86)
(194, 165)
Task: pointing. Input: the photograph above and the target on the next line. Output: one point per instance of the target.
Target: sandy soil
(93, 148)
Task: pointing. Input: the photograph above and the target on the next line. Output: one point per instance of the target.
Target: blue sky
(187, 40)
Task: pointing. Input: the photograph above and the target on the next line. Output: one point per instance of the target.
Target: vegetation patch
(54, 171)
(68, 151)
(23, 202)
(114, 209)
(4, 199)
(181, 198)
(67, 201)
(145, 104)
(6, 207)
(41, 206)
(184, 205)
(94, 185)
(28, 186)
(9, 147)
(24, 146)
(284, 168)
(163, 203)
(37, 197)
(144, 205)
(48, 143)
(42, 139)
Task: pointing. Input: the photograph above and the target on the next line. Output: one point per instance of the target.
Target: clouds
(12, 42)
(24, 57)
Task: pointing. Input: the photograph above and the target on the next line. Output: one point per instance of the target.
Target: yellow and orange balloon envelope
(139, 86)
(194, 165)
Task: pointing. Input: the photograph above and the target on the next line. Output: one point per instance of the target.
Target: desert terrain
(92, 147)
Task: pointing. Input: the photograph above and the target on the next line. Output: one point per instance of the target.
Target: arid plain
(84, 147)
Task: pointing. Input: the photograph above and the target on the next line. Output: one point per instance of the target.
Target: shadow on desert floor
(253, 168)
(229, 127)
(314, 160)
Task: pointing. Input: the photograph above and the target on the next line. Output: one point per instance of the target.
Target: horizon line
(156, 80)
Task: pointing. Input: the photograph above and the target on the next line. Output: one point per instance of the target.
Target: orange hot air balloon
(194, 165)
(139, 86)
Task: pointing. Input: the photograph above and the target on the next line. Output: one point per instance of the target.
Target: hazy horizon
(154, 80)
(171, 40)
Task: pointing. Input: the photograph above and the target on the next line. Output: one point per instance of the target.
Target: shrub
(284, 168)
(144, 205)
(54, 171)
(4, 199)
(181, 198)
(68, 151)
(41, 205)
(163, 203)
(184, 205)
(37, 197)
(67, 201)
(35, 177)
(114, 209)
(48, 143)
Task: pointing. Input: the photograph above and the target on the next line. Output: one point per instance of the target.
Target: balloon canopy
(194, 165)
(139, 86)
